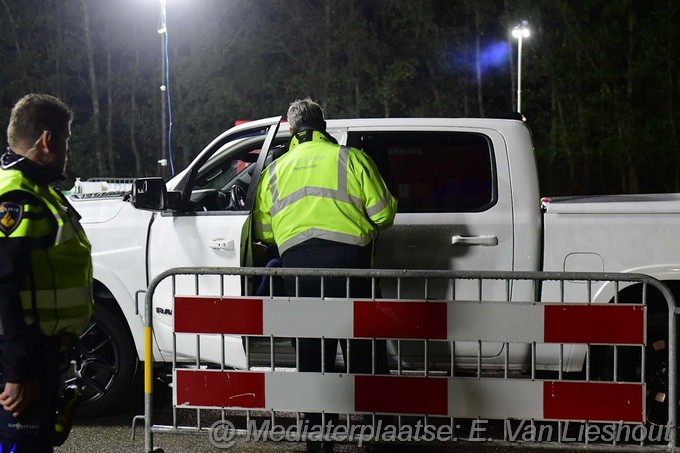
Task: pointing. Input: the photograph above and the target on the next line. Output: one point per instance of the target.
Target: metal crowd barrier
(122, 181)
(455, 340)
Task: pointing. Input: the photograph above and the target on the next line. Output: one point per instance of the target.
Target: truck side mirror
(149, 194)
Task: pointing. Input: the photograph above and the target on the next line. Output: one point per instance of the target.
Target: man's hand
(16, 398)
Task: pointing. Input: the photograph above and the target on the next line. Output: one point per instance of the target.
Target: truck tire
(656, 367)
(107, 365)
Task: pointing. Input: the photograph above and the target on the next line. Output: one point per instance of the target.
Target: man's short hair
(33, 114)
(305, 113)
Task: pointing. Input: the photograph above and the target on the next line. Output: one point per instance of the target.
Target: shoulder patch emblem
(10, 216)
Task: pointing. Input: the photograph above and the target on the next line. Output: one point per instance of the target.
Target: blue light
(492, 56)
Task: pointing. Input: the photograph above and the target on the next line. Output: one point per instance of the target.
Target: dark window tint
(433, 171)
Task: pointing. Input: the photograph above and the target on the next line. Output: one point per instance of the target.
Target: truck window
(225, 165)
(433, 171)
(230, 166)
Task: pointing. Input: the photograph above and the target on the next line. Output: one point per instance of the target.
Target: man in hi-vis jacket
(45, 273)
(323, 205)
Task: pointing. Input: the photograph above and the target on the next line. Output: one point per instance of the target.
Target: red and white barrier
(434, 320)
(438, 396)
(437, 320)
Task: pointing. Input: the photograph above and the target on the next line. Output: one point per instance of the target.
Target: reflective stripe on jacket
(322, 190)
(58, 289)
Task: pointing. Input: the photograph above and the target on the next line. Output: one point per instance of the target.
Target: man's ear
(43, 143)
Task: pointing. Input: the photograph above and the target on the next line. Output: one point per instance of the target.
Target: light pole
(520, 32)
(163, 31)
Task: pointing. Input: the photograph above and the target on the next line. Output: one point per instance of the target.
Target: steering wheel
(237, 198)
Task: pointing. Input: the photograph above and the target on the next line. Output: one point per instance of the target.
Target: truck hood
(94, 209)
(664, 203)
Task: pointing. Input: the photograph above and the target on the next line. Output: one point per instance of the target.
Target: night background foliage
(600, 78)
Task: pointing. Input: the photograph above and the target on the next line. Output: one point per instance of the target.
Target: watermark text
(222, 434)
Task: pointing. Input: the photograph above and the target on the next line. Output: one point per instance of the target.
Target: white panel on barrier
(495, 398)
(310, 392)
(330, 318)
(495, 321)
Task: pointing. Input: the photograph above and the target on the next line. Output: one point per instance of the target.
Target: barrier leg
(148, 389)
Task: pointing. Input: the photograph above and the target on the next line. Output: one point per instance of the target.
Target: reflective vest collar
(307, 135)
(40, 174)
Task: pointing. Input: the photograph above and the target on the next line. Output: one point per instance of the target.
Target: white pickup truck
(468, 200)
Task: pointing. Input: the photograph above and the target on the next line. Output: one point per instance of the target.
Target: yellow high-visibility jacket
(57, 292)
(322, 190)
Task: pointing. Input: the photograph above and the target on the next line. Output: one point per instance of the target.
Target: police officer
(45, 272)
(323, 205)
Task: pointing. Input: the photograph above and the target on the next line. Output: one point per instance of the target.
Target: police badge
(10, 216)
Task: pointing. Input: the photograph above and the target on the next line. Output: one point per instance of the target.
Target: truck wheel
(628, 368)
(108, 363)
(656, 367)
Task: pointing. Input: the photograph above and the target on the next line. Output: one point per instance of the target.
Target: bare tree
(17, 44)
(134, 115)
(94, 94)
(478, 62)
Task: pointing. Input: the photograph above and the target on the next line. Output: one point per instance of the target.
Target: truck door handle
(222, 244)
(475, 240)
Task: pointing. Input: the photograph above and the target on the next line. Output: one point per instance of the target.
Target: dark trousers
(321, 254)
(32, 431)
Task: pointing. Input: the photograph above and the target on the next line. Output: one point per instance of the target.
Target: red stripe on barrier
(609, 324)
(418, 320)
(593, 401)
(215, 315)
(219, 389)
(401, 395)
